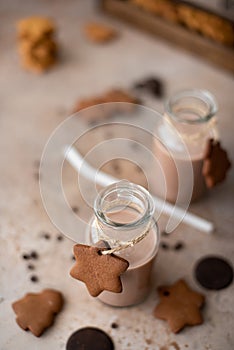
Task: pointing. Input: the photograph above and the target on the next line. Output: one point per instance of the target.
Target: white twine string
(120, 245)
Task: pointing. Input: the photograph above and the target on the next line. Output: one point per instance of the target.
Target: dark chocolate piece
(89, 338)
(214, 273)
(152, 85)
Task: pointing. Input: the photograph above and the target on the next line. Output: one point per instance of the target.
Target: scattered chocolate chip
(31, 267)
(60, 238)
(214, 273)
(75, 209)
(89, 338)
(34, 278)
(179, 246)
(153, 85)
(164, 246)
(114, 325)
(73, 258)
(26, 256)
(45, 235)
(34, 255)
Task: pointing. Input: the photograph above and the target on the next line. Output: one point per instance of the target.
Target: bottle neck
(123, 215)
(191, 114)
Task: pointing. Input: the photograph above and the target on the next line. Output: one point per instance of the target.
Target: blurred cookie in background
(99, 33)
(36, 44)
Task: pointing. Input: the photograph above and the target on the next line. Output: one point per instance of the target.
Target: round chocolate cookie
(214, 273)
(89, 338)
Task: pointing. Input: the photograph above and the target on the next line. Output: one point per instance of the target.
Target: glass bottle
(123, 222)
(188, 122)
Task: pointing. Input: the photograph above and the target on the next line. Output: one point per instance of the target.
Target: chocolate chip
(214, 273)
(34, 278)
(34, 255)
(114, 325)
(60, 238)
(179, 246)
(26, 256)
(31, 267)
(75, 209)
(45, 235)
(89, 338)
(164, 246)
(73, 258)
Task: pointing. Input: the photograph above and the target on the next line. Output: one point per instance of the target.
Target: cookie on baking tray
(36, 311)
(179, 305)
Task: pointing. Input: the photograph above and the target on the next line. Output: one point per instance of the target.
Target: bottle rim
(199, 94)
(136, 191)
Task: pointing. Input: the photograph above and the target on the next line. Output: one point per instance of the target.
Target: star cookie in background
(216, 163)
(36, 311)
(99, 33)
(98, 271)
(36, 44)
(179, 306)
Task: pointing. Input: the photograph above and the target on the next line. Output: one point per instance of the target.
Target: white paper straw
(103, 179)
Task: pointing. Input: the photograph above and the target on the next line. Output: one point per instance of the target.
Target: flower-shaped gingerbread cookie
(36, 311)
(98, 271)
(216, 163)
(179, 306)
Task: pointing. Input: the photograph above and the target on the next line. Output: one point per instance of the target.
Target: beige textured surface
(31, 107)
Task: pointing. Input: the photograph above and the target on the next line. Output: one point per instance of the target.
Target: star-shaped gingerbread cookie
(98, 271)
(216, 163)
(179, 306)
(36, 311)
